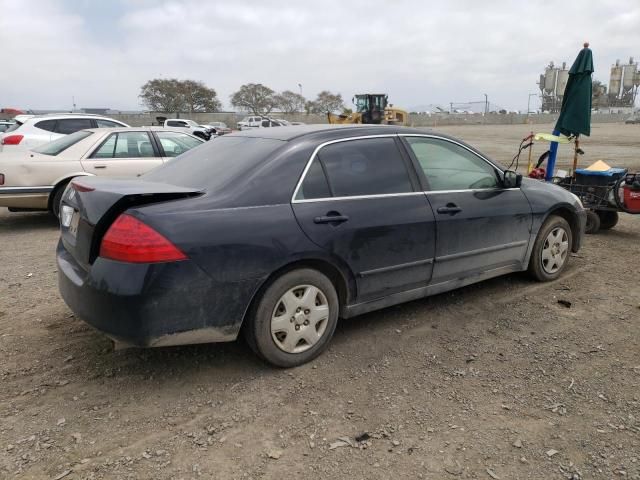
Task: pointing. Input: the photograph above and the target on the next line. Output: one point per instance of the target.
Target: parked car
(291, 228)
(189, 126)
(249, 123)
(633, 119)
(253, 121)
(31, 131)
(219, 128)
(35, 180)
(5, 125)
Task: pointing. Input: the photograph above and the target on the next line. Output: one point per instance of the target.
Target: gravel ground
(496, 380)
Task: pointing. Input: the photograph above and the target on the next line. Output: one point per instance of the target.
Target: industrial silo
(615, 81)
(629, 77)
(563, 78)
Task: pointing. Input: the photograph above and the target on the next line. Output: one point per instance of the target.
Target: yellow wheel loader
(372, 108)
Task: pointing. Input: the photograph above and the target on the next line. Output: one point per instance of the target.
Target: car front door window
(449, 166)
(174, 143)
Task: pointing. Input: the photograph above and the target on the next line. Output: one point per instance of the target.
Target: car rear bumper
(153, 305)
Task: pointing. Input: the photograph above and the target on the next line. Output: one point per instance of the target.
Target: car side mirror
(511, 179)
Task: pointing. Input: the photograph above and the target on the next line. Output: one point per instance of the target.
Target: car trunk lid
(90, 205)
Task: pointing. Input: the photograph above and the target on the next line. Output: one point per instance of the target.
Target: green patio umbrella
(575, 113)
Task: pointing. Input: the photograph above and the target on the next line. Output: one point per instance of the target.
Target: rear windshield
(215, 163)
(13, 127)
(61, 144)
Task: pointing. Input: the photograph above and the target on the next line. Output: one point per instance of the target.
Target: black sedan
(277, 233)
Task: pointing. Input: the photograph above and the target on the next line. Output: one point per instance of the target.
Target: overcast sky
(418, 52)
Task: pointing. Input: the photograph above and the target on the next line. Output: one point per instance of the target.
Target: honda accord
(278, 233)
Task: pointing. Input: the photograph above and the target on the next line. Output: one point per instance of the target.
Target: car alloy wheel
(299, 319)
(555, 250)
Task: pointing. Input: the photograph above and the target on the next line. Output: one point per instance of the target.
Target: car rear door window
(48, 125)
(449, 166)
(371, 166)
(315, 184)
(66, 126)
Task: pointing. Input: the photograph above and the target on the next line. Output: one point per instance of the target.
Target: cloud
(418, 52)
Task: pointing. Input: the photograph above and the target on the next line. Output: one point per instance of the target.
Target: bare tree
(327, 102)
(173, 95)
(290, 102)
(255, 98)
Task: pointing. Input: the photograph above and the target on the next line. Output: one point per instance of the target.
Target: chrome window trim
(383, 195)
(357, 197)
(331, 142)
(498, 189)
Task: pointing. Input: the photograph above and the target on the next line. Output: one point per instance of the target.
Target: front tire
(551, 250)
(295, 318)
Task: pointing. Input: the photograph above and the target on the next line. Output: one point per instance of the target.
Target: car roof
(139, 129)
(54, 116)
(295, 131)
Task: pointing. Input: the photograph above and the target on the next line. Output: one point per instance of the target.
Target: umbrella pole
(551, 161)
(575, 156)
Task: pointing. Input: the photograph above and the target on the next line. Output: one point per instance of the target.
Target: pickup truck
(189, 125)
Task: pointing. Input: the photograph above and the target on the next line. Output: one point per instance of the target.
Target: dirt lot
(497, 380)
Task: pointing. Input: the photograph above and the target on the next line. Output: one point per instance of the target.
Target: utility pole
(529, 103)
(300, 86)
(486, 103)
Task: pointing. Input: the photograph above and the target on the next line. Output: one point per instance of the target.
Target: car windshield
(192, 123)
(216, 163)
(61, 144)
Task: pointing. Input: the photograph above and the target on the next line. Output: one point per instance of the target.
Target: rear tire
(294, 319)
(593, 222)
(551, 249)
(608, 219)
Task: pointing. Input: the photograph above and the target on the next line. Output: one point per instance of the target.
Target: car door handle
(336, 218)
(99, 166)
(450, 209)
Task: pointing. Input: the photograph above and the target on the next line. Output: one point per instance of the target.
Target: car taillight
(1, 178)
(12, 139)
(130, 240)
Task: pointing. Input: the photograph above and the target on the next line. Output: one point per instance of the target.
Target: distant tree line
(173, 95)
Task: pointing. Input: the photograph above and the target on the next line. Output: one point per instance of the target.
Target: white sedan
(36, 179)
